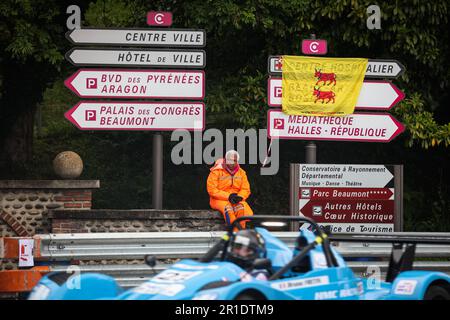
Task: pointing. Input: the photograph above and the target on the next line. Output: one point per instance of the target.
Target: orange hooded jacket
(221, 183)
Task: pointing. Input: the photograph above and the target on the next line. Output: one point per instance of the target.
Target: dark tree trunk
(17, 144)
(21, 89)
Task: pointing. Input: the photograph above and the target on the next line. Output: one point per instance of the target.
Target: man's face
(242, 251)
(232, 162)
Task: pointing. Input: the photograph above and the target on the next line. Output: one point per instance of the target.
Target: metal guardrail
(176, 245)
(133, 245)
(99, 246)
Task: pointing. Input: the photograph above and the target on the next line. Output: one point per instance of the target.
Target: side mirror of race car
(150, 260)
(262, 264)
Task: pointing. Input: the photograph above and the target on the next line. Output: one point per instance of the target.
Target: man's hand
(234, 198)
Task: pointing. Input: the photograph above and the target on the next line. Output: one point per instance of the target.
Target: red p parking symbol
(278, 124)
(91, 83)
(90, 115)
(277, 92)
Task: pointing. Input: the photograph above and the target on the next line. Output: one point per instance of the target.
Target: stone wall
(147, 220)
(24, 205)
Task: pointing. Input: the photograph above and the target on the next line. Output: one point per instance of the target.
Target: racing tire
(436, 293)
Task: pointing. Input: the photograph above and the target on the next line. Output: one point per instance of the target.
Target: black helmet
(249, 241)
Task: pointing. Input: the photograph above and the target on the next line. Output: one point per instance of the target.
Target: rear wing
(403, 247)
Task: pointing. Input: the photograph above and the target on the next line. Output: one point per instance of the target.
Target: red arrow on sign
(363, 127)
(374, 94)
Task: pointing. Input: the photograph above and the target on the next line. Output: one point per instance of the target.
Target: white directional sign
(171, 58)
(378, 95)
(344, 175)
(274, 90)
(138, 37)
(274, 65)
(126, 115)
(138, 84)
(374, 94)
(376, 68)
(364, 127)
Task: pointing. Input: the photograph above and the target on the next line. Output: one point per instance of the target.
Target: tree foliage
(31, 38)
(421, 124)
(28, 32)
(413, 32)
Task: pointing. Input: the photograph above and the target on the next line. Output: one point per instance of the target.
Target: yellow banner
(321, 86)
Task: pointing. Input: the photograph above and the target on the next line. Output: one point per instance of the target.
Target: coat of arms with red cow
(324, 79)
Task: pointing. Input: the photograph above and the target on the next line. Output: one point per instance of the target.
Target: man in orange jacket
(228, 188)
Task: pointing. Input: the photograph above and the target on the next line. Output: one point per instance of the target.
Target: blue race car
(313, 270)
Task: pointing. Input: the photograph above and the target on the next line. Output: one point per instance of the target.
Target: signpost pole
(311, 148)
(294, 185)
(157, 187)
(311, 152)
(398, 198)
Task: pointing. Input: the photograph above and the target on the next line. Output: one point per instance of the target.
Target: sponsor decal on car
(349, 292)
(405, 287)
(156, 288)
(334, 294)
(301, 283)
(322, 295)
